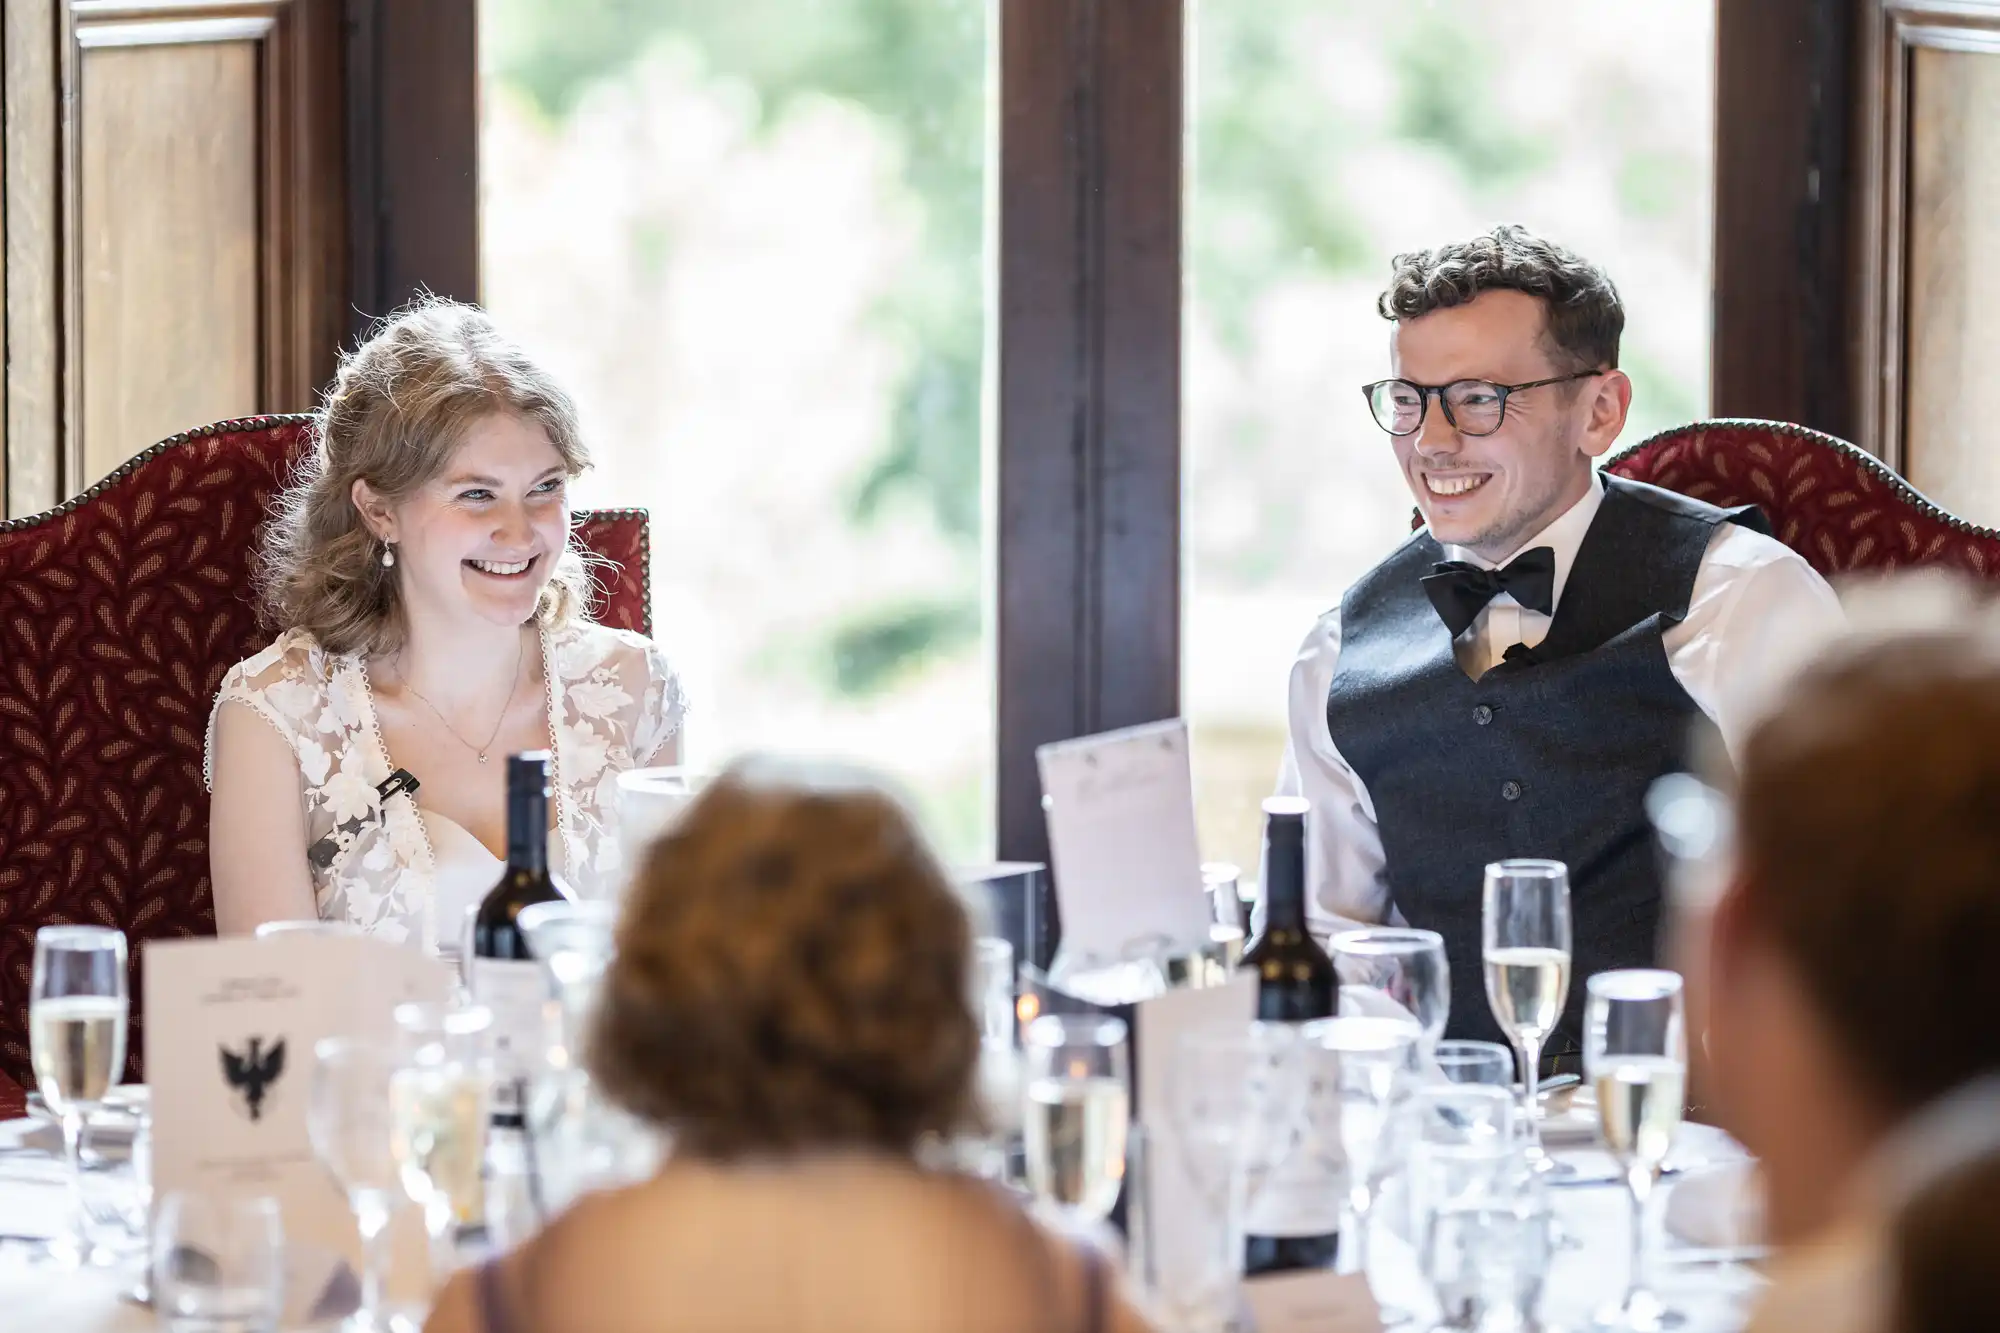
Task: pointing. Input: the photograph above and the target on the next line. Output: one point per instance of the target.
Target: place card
(1181, 1221)
(1313, 1302)
(1120, 812)
(230, 1030)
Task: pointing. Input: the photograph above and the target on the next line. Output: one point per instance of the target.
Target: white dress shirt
(1758, 610)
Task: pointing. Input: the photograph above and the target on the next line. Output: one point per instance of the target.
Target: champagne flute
(77, 1009)
(349, 1121)
(1076, 1108)
(1526, 949)
(1406, 968)
(1635, 1050)
(438, 1107)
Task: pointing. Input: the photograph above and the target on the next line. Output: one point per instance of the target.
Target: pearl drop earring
(388, 556)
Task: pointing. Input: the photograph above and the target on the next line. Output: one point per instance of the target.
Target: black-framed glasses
(1473, 407)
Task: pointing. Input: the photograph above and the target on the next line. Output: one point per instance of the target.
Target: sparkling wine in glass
(1075, 1109)
(1526, 939)
(1635, 1051)
(76, 1038)
(351, 1122)
(1389, 971)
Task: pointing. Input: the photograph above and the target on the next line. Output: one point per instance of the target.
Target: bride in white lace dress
(436, 624)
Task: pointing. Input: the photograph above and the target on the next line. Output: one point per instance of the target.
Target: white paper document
(1181, 1221)
(230, 1030)
(1120, 810)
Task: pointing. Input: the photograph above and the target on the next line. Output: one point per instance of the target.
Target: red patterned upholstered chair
(119, 612)
(1839, 507)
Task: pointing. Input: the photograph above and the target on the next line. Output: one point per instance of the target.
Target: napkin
(1717, 1207)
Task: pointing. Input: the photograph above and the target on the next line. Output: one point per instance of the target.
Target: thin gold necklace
(520, 656)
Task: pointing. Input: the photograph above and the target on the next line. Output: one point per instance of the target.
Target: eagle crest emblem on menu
(252, 1071)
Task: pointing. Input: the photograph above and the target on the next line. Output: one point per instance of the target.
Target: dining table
(1706, 1270)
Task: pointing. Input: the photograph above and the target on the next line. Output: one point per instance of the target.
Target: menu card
(1120, 810)
(1181, 1218)
(230, 1030)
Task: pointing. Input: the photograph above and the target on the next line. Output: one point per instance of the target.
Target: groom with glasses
(1511, 679)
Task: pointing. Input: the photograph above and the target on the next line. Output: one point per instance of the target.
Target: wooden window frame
(1092, 108)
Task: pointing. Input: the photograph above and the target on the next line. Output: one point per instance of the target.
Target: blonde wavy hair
(398, 410)
(793, 971)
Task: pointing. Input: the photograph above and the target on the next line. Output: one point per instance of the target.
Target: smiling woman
(433, 615)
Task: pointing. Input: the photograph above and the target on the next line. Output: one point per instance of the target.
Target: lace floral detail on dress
(613, 702)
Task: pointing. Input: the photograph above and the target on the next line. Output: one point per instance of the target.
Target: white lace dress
(405, 874)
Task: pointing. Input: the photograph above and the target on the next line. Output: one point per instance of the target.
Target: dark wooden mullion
(1089, 381)
(412, 153)
(1784, 315)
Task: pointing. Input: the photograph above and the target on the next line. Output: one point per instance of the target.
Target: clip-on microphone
(322, 853)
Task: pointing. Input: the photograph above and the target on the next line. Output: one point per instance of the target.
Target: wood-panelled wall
(1928, 204)
(174, 190)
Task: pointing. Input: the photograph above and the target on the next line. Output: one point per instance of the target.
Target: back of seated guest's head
(1855, 972)
(1944, 1254)
(792, 974)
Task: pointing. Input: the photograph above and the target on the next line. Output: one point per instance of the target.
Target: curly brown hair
(397, 411)
(793, 971)
(1585, 318)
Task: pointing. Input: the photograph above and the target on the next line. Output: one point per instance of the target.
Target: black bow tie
(1461, 591)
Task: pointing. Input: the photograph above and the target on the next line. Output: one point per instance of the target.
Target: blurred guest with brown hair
(1854, 975)
(791, 1002)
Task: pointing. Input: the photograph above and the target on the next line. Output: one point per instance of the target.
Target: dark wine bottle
(503, 973)
(1295, 1222)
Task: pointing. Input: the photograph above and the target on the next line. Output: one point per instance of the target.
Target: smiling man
(1510, 681)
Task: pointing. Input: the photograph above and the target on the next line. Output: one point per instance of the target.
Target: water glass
(218, 1264)
(1635, 1051)
(1372, 1064)
(352, 1128)
(1482, 1062)
(993, 977)
(1388, 971)
(1076, 1106)
(1486, 1251)
(77, 1009)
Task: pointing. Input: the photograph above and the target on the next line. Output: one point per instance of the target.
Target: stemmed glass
(438, 1106)
(350, 1123)
(1076, 1109)
(1526, 949)
(1635, 1051)
(1406, 968)
(77, 1010)
(1371, 1062)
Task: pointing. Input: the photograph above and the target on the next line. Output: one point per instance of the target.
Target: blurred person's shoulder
(1833, 1282)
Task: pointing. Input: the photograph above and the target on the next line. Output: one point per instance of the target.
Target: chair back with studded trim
(1838, 506)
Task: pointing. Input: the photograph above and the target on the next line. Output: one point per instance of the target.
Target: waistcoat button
(1510, 791)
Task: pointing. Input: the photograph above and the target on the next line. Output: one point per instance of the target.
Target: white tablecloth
(34, 1202)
